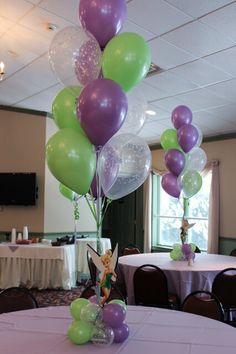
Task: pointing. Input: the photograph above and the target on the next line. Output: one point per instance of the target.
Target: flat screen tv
(18, 188)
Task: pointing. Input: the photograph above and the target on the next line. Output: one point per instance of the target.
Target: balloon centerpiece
(184, 160)
(96, 152)
(96, 320)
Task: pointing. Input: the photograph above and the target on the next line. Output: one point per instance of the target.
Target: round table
(152, 330)
(182, 278)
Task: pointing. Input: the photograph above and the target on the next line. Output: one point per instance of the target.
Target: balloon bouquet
(185, 160)
(99, 113)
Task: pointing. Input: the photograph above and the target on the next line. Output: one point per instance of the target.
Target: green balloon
(67, 192)
(176, 254)
(64, 108)
(71, 159)
(76, 307)
(119, 302)
(191, 183)
(126, 59)
(80, 332)
(193, 247)
(169, 140)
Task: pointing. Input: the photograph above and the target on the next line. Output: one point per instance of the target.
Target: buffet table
(37, 265)
(182, 278)
(152, 330)
(81, 252)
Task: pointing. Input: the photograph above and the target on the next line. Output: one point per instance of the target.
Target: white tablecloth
(81, 251)
(44, 331)
(182, 279)
(37, 265)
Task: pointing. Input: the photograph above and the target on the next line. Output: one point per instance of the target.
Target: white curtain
(147, 197)
(214, 206)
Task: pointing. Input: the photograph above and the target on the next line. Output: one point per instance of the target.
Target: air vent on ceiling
(154, 70)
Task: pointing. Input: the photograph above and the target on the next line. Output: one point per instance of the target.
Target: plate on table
(23, 242)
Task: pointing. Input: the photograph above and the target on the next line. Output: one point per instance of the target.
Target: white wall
(58, 210)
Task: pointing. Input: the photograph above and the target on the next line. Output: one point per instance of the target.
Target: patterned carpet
(53, 297)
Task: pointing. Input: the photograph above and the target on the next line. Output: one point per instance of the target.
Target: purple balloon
(93, 299)
(181, 115)
(121, 333)
(93, 188)
(175, 161)
(103, 18)
(187, 137)
(186, 249)
(170, 184)
(101, 108)
(113, 315)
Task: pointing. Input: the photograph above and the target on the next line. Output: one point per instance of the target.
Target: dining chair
(16, 299)
(203, 303)
(130, 249)
(151, 288)
(233, 252)
(92, 270)
(114, 294)
(224, 287)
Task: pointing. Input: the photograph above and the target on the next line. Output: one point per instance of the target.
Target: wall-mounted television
(18, 188)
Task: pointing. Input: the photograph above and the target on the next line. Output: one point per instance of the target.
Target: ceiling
(193, 42)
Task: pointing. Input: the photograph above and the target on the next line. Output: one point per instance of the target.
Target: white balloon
(75, 56)
(123, 165)
(136, 114)
(200, 135)
(196, 159)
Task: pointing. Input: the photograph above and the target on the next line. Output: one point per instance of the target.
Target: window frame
(156, 216)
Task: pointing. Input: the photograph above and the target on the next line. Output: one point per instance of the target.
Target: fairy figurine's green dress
(106, 283)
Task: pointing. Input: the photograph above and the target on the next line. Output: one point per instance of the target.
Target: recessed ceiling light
(52, 27)
(150, 112)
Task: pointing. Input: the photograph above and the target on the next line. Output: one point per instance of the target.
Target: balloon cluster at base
(99, 325)
(184, 158)
(100, 106)
(183, 252)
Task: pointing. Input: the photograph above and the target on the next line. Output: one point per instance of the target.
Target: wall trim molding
(26, 111)
(227, 238)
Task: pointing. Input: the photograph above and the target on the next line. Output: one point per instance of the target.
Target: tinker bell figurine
(105, 265)
(184, 230)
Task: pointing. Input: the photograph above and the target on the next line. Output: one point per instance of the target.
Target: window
(167, 213)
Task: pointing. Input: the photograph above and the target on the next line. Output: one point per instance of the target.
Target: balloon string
(93, 211)
(99, 205)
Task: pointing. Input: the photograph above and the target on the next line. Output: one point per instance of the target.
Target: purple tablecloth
(182, 278)
(152, 330)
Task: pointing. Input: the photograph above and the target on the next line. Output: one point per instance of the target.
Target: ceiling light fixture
(52, 27)
(2, 71)
(150, 112)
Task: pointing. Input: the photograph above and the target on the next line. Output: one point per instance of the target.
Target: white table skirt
(81, 251)
(44, 331)
(36, 265)
(182, 279)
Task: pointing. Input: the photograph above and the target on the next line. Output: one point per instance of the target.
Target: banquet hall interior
(188, 49)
